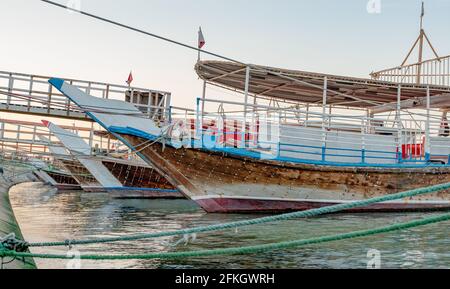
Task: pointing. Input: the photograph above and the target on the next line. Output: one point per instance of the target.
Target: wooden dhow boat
(122, 178)
(298, 140)
(318, 140)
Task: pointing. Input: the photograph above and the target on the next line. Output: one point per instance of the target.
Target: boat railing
(25, 137)
(432, 72)
(324, 137)
(28, 93)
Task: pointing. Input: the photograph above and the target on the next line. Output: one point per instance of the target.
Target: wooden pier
(8, 222)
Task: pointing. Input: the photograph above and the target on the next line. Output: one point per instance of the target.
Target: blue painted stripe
(256, 155)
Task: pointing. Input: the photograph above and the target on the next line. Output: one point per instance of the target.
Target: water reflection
(48, 216)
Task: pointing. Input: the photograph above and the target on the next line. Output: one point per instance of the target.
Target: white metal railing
(433, 72)
(25, 137)
(33, 93)
(326, 137)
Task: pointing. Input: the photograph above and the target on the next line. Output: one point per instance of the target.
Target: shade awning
(307, 87)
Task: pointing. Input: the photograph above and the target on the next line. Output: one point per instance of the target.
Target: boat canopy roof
(308, 87)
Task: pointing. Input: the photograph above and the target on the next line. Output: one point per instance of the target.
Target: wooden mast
(421, 36)
(420, 42)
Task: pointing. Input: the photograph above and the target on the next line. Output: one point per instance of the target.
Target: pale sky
(329, 36)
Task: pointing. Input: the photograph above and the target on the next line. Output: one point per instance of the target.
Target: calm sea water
(49, 216)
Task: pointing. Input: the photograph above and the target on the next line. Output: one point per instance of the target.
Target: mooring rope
(10, 242)
(243, 250)
(258, 221)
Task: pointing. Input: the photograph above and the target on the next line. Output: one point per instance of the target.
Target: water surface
(45, 215)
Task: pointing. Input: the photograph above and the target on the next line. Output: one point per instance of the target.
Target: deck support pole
(253, 128)
(244, 122)
(427, 128)
(168, 98)
(307, 115)
(197, 125)
(202, 118)
(2, 130)
(108, 150)
(30, 93)
(19, 127)
(34, 134)
(91, 137)
(399, 122)
(10, 90)
(324, 117)
(364, 126)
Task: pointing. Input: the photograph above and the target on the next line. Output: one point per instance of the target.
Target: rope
(258, 221)
(148, 143)
(244, 250)
(10, 242)
(142, 31)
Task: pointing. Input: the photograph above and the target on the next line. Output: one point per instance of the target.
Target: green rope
(232, 225)
(244, 250)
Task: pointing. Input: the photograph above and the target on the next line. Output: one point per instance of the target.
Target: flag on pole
(130, 78)
(201, 39)
(423, 9)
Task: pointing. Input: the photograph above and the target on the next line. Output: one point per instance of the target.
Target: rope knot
(11, 243)
(68, 244)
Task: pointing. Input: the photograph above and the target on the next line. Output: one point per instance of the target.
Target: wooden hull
(236, 205)
(67, 187)
(136, 193)
(138, 182)
(63, 182)
(222, 183)
(145, 194)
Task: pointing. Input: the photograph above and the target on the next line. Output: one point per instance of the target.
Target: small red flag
(201, 39)
(130, 78)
